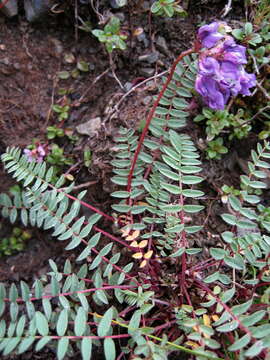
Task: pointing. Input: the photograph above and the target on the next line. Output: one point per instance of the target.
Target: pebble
(127, 86)
(161, 44)
(146, 72)
(150, 58)
(90, 127)
(142, 38)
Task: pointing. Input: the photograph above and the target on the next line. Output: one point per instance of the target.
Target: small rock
(161, 44)
(127, 86)
(90, 127)
(5, 61)
(142, 38)
(147, 72)
(150, 58)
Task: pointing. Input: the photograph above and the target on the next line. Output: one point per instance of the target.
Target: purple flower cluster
(36, 154)
(221, 67)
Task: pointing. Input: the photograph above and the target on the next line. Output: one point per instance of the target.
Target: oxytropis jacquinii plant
(154, 288)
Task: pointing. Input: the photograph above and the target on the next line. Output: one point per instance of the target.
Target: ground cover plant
(143, 291)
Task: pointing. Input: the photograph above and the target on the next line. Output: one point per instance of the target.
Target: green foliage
(62, 111)
(216, 148)
(167, 8)
(57, 157)
(15, 242)
(111, 36)
(217, 121)
(54, 132)
(247, 34)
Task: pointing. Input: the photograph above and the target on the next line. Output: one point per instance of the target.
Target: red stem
(3, 3)
(151, 114)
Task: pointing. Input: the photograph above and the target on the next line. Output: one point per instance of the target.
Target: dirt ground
(31, 55)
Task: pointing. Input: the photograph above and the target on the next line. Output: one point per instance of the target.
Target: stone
(90, 127)
(146, 72)
(150, 58)
(161, 45)
(143, 38)
(127, 86)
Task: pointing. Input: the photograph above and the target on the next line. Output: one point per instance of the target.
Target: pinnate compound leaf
(25, 344)
(134, 322)
(261, 331)
(80, 322)
(86, 348)
(41, 323)
(105, 323)
(229, 219)
(255, 349)
(11, 345)
(217, 253)
(242, 308)
(109, 349)
(240, 343)
(253, 318)
(62, 348)
(228, 327)
(62, 323)
(42, 342)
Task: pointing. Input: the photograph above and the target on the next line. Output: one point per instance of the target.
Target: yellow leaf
(125, 231)
(143, 263)
(215, 317)
(206, 320)
(133, 236)
(192, 344)
(137, 255)
(138, 31)
(143, 244)
(142, 203)
(134, 244)
(148, 254)
(69, 177)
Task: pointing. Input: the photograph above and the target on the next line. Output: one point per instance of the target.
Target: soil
(31, 55)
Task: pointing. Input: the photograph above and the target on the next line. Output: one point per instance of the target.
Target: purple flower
(247, 81)
(234, 52)
(209, 35)
(36, 154)
(29, 155)
(209, 66)
(214, 96)
(221, 69)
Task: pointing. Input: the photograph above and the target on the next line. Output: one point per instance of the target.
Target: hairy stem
(151, 114)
